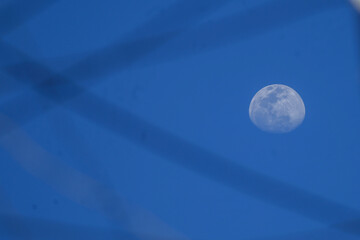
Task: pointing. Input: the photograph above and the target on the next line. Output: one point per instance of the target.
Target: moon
(277, 108)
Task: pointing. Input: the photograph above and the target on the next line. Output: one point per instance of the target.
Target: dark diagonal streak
(145, 40)
(357, 25)
(140, 42)
(60, 90)
(205, 37)
(13, 14)
(12, 227)
(81, 188)
(240, 26)
(45, 229)
(16, 12)
(181, 15)
(187, 41)
(160, 29)
(125, 124)
(318, 234)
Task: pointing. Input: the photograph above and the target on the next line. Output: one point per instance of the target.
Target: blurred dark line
(70, 138)
(147, 38)
(352, 233)
(81, 188)
(187, 155)
(116, 57)
(17, 12)
(358, 41)
(12, 227)
(318, 234)
(253, 22)
(351, 226)
(77, 143)
(123, 54)
(169, 22)
(60, 91)
(84, 153)
(45, 229)
(181, 13)
(268, 16)
(142, 41)
(178, 16)
(161, 28)
(117, 120)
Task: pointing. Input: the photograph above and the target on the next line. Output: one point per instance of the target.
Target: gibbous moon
(277, 109)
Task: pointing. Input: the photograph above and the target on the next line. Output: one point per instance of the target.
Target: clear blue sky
(150, 98)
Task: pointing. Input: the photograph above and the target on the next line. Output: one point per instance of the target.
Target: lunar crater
(277, 108)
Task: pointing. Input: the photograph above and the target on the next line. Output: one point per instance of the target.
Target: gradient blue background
(196, 83)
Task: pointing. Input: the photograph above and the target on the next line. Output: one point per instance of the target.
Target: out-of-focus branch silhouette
(14, 228)
(174, 26)
(16, 12)
(143, 50)
(169, 22)
(79, 187)
(60, 90)
(317, 234)
(45, 229)
(177, 15)
(357, 25)
(234, 28)
(162, 27)
(125, 53)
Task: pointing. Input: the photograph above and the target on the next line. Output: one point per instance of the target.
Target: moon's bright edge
(277, 108)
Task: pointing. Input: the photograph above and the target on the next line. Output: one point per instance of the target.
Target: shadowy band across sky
(61, 91)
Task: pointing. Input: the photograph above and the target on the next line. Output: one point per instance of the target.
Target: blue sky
(150, 99)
